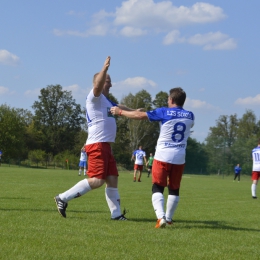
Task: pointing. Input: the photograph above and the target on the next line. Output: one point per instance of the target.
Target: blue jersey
(175, 124)
(237, 170)
(139, 156)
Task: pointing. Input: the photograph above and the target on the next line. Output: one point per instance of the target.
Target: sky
(210, 49)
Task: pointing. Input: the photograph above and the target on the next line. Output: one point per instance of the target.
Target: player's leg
(111, 191)
(159, 179)
(95, 180)
(140, 173)
(135, 170)
(255, 177)
(149, 170)
(85, 168)
(80, 167)
(174, 180)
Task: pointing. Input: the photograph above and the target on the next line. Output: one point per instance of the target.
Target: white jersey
(83, 156)
(256, 159)
(101, 123)
(175, 125)
(139, 156)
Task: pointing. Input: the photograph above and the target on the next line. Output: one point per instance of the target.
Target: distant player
(139, 156)
(169, 160)
(237, 171)
(83, 161)
(256, 169)
(149, 164)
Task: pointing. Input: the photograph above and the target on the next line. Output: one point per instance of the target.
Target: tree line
(57, 129)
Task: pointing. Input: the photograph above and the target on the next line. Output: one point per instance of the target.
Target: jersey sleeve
(156, 115)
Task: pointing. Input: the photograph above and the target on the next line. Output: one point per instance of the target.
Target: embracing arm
(133, 114)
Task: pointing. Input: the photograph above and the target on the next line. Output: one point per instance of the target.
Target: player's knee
(174, 192)
(157, 188)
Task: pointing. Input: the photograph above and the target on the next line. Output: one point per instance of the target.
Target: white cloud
(8, 58)
(3, 90)
(132, 85)
(137, 82)
(209, 41)
(248, 100)
(198, 104)
(213, 41)
(77, 91)
(32, 93)
(131, 31)
(6, 91)
(164, 15)
(135, 18)
(173, 37)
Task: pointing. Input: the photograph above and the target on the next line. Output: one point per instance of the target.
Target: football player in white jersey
(169, 159)
(101, 163)
(256, 169)
(83, 161)
(139, 156)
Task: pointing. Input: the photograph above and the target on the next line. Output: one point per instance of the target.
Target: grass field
(216, 219)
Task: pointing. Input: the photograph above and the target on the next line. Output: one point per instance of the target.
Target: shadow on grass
(200, 224)
(211, 224)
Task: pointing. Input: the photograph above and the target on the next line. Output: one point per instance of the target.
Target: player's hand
(107, 63)
(115, 110)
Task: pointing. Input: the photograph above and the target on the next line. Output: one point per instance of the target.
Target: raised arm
(100, 78)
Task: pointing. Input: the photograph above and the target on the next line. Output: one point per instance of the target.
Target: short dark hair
(94, 77)
(178, 96)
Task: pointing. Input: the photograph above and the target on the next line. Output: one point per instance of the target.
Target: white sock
(172, 203)
(76, 191)
(158, 204)
(85, 171)
(80, 172)
(113, 201)
(253, 189)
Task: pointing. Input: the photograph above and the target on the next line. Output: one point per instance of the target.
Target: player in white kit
(256, 169)
(169, 159)
(140, 157)
(83, 161)
(101, 163)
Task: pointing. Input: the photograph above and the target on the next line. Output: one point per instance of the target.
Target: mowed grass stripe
(216, 219)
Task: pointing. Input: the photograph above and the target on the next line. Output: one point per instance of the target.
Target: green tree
(12, 132)
(58, 117)
(161, 99)
(141, 132)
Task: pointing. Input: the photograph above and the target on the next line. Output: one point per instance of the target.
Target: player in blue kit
(237, 171)
(139, 156)
(169, 159)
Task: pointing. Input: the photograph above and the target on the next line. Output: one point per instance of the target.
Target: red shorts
(138, 167)
(101, 162)
(255, 176)
(167, 174)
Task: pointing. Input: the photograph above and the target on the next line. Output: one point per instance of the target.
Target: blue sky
(210, 49)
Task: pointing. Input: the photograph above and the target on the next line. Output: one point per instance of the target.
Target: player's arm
(135, 114)
(100, 78)
(125, 108)
(145, 160)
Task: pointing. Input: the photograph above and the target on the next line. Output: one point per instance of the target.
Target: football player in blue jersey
(169, 159)
(139, 156)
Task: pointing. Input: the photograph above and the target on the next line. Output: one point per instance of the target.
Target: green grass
(216, 219)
